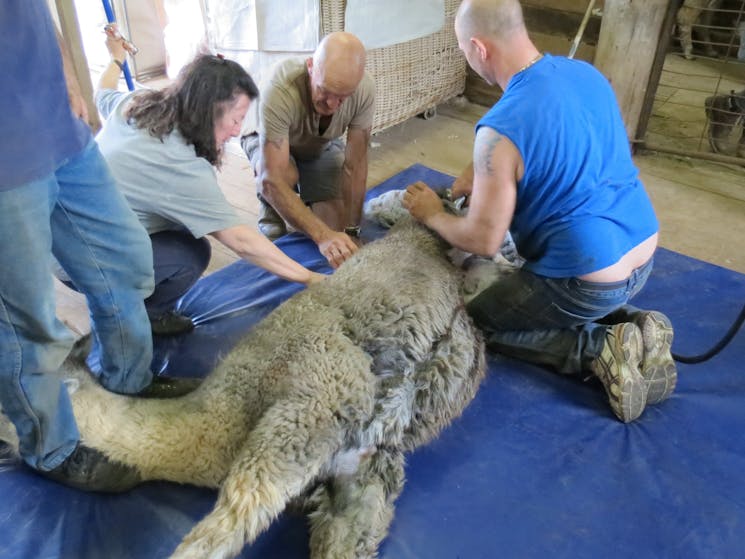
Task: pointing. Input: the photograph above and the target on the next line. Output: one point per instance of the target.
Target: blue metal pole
(125, 67)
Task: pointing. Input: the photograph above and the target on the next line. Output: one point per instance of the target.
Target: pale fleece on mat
(315, 406)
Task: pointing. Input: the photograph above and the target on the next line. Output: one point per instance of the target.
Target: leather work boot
(90, 470)
(617, 367)
(271, 223)
(723, 112)
(168, 387)
(171, 324)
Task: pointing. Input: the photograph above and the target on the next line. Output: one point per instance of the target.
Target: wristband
(120, 64)
(352, 231)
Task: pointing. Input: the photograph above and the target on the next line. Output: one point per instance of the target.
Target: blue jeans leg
(33, 343)
(106, 252)
(179, 260)
(554, 322)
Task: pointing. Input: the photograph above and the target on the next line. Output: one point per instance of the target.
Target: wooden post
(629, 34)
(68, 22)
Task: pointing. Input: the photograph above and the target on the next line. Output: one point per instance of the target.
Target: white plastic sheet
(379, 23)
(265, 25)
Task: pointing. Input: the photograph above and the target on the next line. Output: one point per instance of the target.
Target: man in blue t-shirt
(58, 198)
(551, 164)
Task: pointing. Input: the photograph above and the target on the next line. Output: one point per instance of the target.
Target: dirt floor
(678, 117)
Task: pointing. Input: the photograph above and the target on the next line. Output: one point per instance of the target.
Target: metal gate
(698, 107)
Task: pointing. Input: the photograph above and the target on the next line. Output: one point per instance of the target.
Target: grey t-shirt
(286, 111)
(165, 183)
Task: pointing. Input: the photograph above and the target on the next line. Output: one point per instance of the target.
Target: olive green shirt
(286, 111)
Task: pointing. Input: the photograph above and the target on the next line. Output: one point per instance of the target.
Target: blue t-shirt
(39, 131)
(580, 204)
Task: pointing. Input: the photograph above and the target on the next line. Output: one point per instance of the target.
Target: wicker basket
(411, 77)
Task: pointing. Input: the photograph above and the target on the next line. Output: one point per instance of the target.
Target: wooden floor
(701, 205)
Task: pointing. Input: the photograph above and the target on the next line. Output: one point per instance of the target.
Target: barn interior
(537, 466)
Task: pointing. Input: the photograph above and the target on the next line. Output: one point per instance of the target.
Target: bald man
(304, 111)
(551, 164)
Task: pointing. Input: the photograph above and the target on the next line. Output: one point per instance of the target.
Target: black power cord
(693, 359)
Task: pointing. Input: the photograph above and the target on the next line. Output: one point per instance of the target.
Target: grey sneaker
(617, 367)
(271, 223)
(658, 367)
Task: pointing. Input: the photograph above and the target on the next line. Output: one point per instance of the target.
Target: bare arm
(109, 78)
(354, 173)
(277, 178)
(77, 102)
(497, 166)
(463, 184)
(254, 247)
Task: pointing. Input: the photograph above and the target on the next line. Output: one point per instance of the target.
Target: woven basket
(410, 77)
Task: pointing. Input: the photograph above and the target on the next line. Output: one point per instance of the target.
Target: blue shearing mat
(536, 467)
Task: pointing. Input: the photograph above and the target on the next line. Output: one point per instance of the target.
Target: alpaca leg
(282, 455)
(352, 513)
(685, 18)
(437, 391)
(706, 19)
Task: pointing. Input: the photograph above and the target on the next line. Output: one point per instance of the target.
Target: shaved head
(493, 19)
(340, 58)
(336, 69)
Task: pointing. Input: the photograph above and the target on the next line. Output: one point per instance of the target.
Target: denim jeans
(556, 322)
(77, 214)
(179, 260)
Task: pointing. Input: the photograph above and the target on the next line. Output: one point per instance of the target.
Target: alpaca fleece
(315, 406)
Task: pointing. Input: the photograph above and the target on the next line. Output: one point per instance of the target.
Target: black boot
(90, 470)
(171, 324)
(168, 387)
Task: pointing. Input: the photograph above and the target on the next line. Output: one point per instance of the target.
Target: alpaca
(480, 272)
(316, 405)
(686, 18)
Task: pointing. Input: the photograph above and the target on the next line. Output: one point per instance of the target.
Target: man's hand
(77, 101)
(463, 185)
(337, 247)
(422, 202)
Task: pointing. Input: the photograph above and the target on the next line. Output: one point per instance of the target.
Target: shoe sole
(271, 224)
(658, 367)
(628, 396)
(272, 231)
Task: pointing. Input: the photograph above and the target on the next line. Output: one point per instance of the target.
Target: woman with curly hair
(163, 147)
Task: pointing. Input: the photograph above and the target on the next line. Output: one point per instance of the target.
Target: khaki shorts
(320, 178)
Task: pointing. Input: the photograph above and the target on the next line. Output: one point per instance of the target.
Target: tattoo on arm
(483, 149)
(276, 143)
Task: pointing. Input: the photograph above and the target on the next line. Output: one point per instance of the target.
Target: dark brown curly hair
(202, 92)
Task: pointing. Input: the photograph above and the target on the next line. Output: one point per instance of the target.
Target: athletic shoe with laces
(658, 367)
(90, 470)
(271, 223)
(617, 367)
